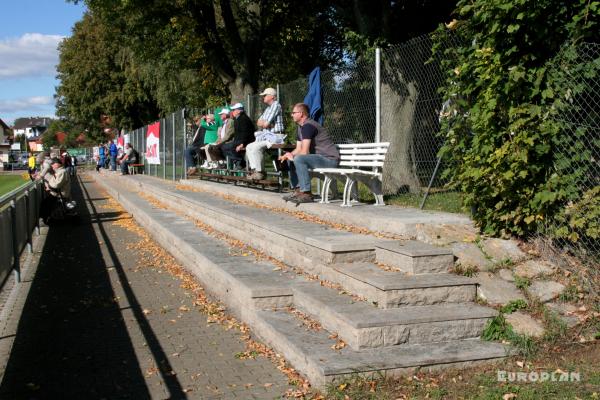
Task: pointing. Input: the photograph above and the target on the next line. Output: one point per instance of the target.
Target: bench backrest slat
(361, 163)
(363, 154)
(363, 145)
(363, 157)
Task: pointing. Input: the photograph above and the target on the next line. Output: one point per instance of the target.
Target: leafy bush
(502, 129)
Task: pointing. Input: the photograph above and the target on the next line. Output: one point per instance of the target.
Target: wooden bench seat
(133, 169)
(354, 159)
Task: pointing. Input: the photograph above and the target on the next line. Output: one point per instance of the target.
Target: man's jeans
(299, 169)
(190, 152)
(113, 163)
(124, 167)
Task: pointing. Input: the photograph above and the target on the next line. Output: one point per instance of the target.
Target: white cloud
(35, 103)
(32, 54)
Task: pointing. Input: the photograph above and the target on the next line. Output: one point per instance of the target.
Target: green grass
(441, 201)
(10, 182)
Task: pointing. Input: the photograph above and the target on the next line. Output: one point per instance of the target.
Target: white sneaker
(205, 165)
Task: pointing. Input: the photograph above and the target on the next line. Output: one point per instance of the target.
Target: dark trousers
(229, 151)
(194, 152)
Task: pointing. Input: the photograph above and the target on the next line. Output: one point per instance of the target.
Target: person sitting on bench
(271, 122)
(314, 149)
(214, 153)
(207, 127)
(130, 156)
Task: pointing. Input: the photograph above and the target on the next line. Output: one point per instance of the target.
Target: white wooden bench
(354, 159)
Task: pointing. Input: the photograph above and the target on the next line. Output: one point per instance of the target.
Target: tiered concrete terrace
(392, 302)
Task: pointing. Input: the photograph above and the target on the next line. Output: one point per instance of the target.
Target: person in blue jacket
(101, 155)
(113, 151)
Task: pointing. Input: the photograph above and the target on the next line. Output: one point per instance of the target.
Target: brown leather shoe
(303, 198)
(257, 176)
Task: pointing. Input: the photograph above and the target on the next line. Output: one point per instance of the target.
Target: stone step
(285, 237)
(237, 281)
(341, 257)
(390, 289)
(251, 290)
(362, 325)
(311, 352)
(415, 257)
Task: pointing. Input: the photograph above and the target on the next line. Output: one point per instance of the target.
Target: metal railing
(19, 216)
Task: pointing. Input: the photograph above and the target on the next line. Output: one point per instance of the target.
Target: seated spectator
(214, 152)
(130, 156)
(271, 122)
(207, 127)
(314, 149)
(56, 182)
(243, 135)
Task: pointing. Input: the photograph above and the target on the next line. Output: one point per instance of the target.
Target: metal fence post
(183, 127)
(377, 95)
(174, 150)
(16, 260)
(164, 146)
(27, 216)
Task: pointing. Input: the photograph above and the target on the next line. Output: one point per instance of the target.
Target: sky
(30, 32)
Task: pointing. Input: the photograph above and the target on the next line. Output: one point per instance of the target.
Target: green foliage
(503, 140)
(468, 270)
(555, 327)
(569, 294)
(497, 329)
(581, 219)
(514, 305)
(100, 86)
(521, 282)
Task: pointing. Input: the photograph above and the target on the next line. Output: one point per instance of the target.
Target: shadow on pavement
(72, 341)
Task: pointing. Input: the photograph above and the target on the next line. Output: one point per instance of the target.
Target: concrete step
(341, 257)
(311, 351)
(389, 289)
(252, 290)
(362, 325)
(415, 257)
(237, 281)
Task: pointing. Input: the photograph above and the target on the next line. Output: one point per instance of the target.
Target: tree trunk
(240, 89)
(397, 117)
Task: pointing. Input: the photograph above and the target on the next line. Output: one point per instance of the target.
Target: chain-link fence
(175, 133)
(410, 107)
(576, 151)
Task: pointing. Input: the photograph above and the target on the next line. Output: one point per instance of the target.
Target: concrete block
(415, 257)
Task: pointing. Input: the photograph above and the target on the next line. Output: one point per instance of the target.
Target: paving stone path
(96, 325)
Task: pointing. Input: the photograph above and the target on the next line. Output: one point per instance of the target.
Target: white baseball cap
(224, 110)
(237, 106)
(269, 91)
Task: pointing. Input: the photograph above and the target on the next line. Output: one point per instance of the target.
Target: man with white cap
(271, 122)
(214, 151)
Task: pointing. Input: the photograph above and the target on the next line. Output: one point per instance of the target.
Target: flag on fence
(153, 143)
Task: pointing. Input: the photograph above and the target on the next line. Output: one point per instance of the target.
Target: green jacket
(210, 133)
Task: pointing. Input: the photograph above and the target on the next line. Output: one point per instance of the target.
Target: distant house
(31, 127)
(5, 138)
